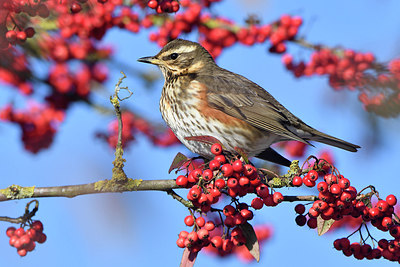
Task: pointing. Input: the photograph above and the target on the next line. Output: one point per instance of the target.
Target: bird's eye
(174, 56)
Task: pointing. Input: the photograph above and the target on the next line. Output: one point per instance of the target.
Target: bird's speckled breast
(184, 108)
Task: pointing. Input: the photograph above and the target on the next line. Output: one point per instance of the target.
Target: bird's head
(181, 57)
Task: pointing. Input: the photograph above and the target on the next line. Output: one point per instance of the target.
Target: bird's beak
(151, 60)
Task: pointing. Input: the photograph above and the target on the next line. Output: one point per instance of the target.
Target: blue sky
(140, 228)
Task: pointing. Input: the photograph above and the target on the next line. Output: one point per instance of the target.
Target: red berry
(383, 243)
(346, 197)
(257, 203)
(344, 183)
(229, 210)
(203, 234)
(322, 187)
(269, 201)
(30, 246)
(365, 250)
(232, 183)
(227, 170)
(312, 223)
(10, 231)
(11, 36)
(387, 222)
(300, 208)
(193, 237)
(308, 182)
(395, 231)
(337, 245)
(13, 239)
(216, 241)
(183, 234)
(214, 164)
(208, 175)
(301, 220)
(229, 221)
(180, 242)
(197, 173)
(330, 179)
(209, 226)
(194, 192)
(244, 181)
(262, 191)
(200, 221)
(76, 7)
(152, 4)
(312, 212)
(328, 212)
(312, 175)
(374, 213)
(181, 181)
(17, 243)
(220, 183)
(21, 36)
(216, 149)
(237, 166)
(227, 245)
(382, 205)
(391, 200)
(297, 181)
(37, 225)
(22, 252)
(277, 197)
(247, 214)
(25, 239)
(19, 232)
(189, 220)
(335, 189)
(249, 170)
(220, 158)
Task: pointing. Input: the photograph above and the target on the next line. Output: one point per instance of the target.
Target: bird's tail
(332, 141)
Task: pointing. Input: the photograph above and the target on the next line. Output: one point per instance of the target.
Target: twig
(174, 195)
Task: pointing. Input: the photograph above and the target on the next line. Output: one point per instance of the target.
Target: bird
(199, 99)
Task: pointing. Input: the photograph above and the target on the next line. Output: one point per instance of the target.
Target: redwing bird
(201, 99)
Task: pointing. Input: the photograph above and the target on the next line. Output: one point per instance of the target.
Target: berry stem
(186, 203)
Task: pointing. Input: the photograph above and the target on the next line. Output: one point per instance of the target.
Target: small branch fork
(27, 215)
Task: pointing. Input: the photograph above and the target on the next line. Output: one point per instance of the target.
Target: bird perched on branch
(199, 98)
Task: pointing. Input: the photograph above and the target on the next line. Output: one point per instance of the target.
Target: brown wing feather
(245, 100)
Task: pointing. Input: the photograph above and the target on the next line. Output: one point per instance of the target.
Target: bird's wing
(241, 98)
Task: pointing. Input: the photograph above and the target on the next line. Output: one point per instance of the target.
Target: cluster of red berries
(338, 199)
(134, 124)
(344, 68)
(359, 251)
(24, 241)
(388, 249)
(386, 104)
(184, 22)
(76, 85)
(164, 6)
(355, 70)
(224, 176)
(14, 70)
(38, 124)
(215, 39)
(11, 8)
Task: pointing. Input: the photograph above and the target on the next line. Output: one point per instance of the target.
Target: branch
(106, 186)
(103, 186)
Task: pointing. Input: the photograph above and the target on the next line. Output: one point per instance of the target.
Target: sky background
(140, 228)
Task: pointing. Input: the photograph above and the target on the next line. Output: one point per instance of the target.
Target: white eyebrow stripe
(184, 49)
